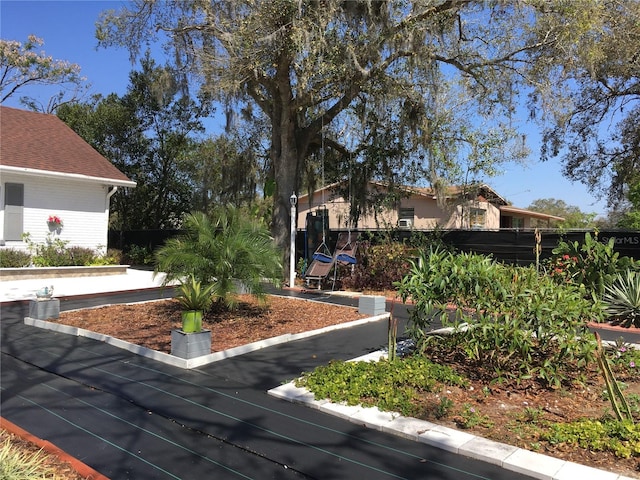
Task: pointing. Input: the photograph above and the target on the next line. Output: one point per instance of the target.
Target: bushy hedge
(13, 258)
(382, 263)
(55, 253)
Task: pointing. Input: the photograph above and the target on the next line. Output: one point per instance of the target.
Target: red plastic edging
(83, 469)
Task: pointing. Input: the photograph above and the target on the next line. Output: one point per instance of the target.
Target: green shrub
(378, 267)
(508, 321)
(52, 255)
(14, 258)
(222, 249)
(591, 263)
(138, 255)
(81, 256)
(112, 257)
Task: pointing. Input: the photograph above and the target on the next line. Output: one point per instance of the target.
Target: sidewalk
(12, 290)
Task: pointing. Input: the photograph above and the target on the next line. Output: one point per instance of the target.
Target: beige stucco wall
(427, 214)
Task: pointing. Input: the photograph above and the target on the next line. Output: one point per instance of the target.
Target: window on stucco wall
(406, 216)
(477, 218)
(13, 211)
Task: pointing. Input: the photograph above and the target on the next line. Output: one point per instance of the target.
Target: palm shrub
(622, 299)
(222, 249)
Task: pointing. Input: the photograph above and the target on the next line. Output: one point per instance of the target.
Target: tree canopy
(21, 65)
(593, 99)
(303, 64)
(574, 217)
(149, 135)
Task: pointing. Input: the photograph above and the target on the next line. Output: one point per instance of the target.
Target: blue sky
(68, 29)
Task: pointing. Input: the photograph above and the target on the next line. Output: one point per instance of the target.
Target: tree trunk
(284, 156)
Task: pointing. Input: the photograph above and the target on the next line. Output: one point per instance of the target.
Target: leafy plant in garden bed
(195, 299)
(220, 250)
(622, 299)
(508, 321)
(591, 263)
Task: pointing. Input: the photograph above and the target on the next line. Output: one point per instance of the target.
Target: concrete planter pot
(190, 345)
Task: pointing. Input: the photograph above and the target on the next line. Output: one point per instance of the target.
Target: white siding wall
(82, 206)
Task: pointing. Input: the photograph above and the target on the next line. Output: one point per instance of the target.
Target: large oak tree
(304, 63)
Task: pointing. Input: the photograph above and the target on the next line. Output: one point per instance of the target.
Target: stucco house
(476, 207)
(47, 171)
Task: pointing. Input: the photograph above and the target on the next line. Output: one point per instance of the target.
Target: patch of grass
(16, 464)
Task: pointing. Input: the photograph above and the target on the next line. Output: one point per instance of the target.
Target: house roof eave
(75, 176)
(545, 216)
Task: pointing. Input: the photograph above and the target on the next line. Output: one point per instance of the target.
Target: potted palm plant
(195, 299)
(192, 340)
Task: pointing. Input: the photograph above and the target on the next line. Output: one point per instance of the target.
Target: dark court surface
(133, 418)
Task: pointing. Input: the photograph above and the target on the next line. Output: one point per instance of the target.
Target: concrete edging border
(198, 361)
(511, 458)
(31, 273)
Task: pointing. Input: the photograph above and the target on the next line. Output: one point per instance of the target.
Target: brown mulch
(149, 324)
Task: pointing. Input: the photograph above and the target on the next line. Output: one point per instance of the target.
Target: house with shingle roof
(469, 207)
(48, 172)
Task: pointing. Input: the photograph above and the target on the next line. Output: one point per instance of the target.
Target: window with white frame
(405, 217)
(13, 211)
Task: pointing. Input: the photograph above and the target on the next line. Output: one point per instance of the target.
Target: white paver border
(198, 361)
(511, 458)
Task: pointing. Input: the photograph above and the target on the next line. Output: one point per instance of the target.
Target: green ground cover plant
(390, 385)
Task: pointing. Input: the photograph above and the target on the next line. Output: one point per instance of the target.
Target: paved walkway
(130, 417)
(12, 290)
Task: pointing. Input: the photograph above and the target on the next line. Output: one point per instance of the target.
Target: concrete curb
(508, 457)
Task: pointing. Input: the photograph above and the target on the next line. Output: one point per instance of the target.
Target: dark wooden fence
(509, 246)
(516, 247)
